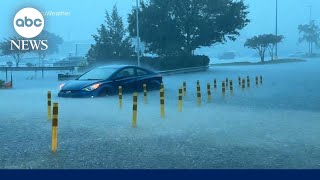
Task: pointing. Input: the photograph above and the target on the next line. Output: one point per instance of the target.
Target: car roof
(120, 67)
(117, 66)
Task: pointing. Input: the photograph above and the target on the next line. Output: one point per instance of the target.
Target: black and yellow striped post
(239, 81)
(215, 85)
(209, 92)
(162, 86)
(11, 81)
(49, 105)
(248, 81)
(145, 93)
(257, 80)
(180, 100)
(223, 88)
(135, 110)
(184, 88)
(162, 112)
(120, 96)
(231, 87)
(260, 79)
(198, 93)
(54, 142)
(243, 84)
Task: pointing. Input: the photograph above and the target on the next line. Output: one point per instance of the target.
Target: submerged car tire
(155, 85)
(104, 92)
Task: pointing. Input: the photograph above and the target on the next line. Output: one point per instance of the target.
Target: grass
(279, 61)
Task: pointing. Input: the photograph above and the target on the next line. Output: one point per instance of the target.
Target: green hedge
(1, 83)
(176, 62)
(156, 63)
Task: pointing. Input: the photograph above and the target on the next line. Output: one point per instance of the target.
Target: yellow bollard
(145, 95)
(239, 81)
(260, 79)
(135, 109)
(223, 88)
(248, 81)
(215, 85)
(209, 92)
(54, 144)
(198, 93)
(231, 87)
(184, 88)
(162, 112)
(257, 80)
(243, 84)
(180, 100)
(120, 97)
(49, 105)
(162, 86)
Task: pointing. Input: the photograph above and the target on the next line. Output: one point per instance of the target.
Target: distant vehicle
(227, 56)
(298, 54)
(9, 64)
(69, 61)
(104, 81)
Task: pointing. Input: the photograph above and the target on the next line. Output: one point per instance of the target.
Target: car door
(142, 78)
(127, 79)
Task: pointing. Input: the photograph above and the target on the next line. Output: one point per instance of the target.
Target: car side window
(141, 72)
(126, 73)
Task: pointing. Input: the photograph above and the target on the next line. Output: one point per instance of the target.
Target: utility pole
(76, 54)
(310, 22)
(310, 15)
(276, 53)
(138, 33)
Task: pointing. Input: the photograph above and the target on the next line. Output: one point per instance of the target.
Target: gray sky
(87, 15)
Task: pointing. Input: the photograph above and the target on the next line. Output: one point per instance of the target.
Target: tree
(272, 41)
(171, 28)
(53, 44)
(310, 33)
(112, 40)
(264, 42)
(15, 53)
(259, 43)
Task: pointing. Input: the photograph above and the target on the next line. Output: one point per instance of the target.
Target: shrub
(156, 63)
(1, 83)
(175, 62)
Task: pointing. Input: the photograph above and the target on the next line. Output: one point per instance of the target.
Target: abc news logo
(29, 23)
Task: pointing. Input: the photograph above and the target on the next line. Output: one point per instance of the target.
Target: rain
(273, 124)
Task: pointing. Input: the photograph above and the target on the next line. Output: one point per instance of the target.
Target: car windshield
(98, 74)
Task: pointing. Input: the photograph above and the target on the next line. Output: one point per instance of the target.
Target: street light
(310, 14)
(138, 34)
(276, 53)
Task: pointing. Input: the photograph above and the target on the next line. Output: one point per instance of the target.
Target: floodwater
(274, 125)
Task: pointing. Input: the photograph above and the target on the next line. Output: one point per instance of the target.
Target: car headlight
(61, 86)
(91, 88)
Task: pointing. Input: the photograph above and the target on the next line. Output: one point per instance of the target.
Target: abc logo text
(28, 23)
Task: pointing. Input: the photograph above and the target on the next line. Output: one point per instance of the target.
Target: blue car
(105, 81)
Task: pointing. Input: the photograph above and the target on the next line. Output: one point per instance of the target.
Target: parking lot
(274, 125)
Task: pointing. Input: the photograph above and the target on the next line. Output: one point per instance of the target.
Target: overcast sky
(87, 15)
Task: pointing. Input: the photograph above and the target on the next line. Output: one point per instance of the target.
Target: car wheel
(104, 92)
(155, 85)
